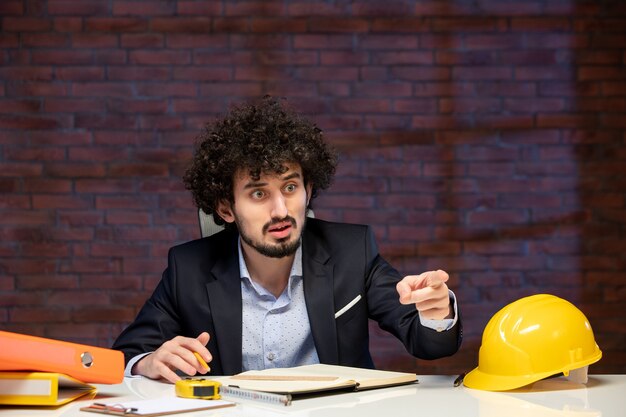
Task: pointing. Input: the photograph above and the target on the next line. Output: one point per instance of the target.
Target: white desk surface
(434, 395)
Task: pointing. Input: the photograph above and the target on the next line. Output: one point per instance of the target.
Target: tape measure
(201, 388)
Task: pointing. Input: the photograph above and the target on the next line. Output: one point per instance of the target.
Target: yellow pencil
(202, 362)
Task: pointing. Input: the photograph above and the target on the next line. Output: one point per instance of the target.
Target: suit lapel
(318, 292)
(225, 298)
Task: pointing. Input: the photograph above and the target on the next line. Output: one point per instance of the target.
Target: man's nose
(279, 208)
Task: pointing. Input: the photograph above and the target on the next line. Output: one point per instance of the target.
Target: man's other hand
(429, 292)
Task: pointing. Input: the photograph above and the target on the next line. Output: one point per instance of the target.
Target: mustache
(278, 221)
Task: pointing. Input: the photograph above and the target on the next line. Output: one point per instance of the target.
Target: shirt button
(271, 356)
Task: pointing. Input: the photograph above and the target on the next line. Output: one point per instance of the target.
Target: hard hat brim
(488, 382)
(480, 380)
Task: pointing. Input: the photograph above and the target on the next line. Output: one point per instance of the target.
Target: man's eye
(257, 194)
(290, 188)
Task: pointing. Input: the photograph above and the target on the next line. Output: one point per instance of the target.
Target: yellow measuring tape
(205, 389)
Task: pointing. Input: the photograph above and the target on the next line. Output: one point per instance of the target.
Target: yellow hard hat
(530, 339)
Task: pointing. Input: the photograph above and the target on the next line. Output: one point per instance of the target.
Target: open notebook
(315, 378)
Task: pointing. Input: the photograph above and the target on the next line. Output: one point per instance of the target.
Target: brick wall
(485, 138)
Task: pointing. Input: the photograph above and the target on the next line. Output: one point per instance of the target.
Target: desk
(604, 395)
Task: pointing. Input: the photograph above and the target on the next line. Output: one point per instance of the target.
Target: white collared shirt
(275, 331)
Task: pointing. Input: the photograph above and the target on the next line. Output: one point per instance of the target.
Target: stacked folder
(40, 371)
(40, 388)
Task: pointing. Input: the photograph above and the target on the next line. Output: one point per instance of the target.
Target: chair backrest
(207, 224)
(209, 227)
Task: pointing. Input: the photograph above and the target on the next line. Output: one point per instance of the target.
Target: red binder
(89, 364)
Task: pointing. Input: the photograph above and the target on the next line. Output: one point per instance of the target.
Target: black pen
(459, 380)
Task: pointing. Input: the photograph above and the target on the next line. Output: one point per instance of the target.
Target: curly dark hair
(260, 137)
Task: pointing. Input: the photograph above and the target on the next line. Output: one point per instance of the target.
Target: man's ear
(225, 211)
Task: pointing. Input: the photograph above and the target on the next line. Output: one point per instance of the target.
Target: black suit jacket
(201, 291)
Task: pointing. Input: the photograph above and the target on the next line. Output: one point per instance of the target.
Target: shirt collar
(296, 270)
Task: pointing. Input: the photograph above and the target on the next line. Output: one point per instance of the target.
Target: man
(275, 288)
